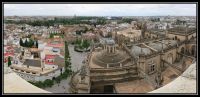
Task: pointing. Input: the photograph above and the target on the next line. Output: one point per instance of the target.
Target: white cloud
(100, 9)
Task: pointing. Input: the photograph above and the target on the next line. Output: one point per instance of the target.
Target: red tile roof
(9, 47)
(50, 56)
(8, 54)
(49, 63)
(55, 45)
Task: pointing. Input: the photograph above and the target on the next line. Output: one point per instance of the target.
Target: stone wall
(32, 77)
(22, 85)
(186, 83)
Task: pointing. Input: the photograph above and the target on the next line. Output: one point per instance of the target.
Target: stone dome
(103, 58)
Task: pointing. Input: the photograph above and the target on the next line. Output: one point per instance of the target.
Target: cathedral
(112, 61)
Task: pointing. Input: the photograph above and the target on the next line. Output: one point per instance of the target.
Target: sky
(100, 9)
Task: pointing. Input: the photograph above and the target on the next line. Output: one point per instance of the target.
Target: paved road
(76, 60)
(58, 88)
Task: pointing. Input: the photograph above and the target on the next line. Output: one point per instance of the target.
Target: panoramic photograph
(99, 48)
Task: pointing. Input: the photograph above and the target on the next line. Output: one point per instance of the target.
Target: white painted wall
(31, 77)
(51, 66)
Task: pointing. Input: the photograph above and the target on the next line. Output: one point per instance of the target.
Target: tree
(78, 41)
(26, 43)
(48, 83)
(9, 61)
(66, 54)
(21, 42)
(36, 43)
(66, 50)
(30, 43)
(51, 35)
(77, 20)
(86, 44)
(58, 79)
(67, 59)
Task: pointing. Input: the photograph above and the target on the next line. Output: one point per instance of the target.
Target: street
(76, 60)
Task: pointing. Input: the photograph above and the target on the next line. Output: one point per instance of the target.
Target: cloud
(100, 9)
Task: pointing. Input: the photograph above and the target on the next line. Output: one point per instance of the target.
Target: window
(175, 37)
(151, 67)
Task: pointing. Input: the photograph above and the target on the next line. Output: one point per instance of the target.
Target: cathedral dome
(103, 58)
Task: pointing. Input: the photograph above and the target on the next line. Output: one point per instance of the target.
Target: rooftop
(182, 30)
(59, 61)
(107, 41)
(8, 54)
(136, 86)
(151, 46)
(31, 62)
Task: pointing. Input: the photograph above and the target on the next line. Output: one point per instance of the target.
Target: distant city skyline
(99, 9)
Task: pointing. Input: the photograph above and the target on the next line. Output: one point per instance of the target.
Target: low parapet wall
(15, 84)
(186, 83)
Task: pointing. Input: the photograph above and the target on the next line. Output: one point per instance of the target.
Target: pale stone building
(113, 63)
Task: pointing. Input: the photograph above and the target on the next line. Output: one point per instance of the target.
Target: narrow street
(76, 60)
